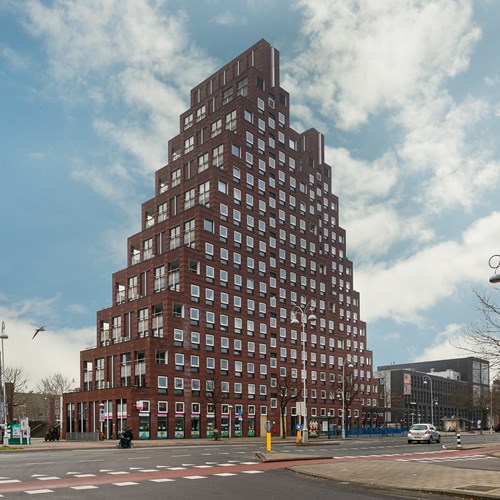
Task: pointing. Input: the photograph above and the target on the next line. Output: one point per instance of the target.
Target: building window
(227, 95)
(175, 237)
(189, 198)
(175, 179)
(218, 156)
(204, 194)
(189, 233)
(231, 121)
(173, 276)
(201, 113)
(217, 127)
(202, 162)
(242, 87)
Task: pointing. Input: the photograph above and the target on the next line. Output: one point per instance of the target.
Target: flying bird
(41, 329)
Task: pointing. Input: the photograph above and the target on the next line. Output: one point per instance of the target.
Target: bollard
(459, 444)
(268, 442)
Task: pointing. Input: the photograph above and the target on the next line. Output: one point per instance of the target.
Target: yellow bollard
(297, 439)
(268, 442)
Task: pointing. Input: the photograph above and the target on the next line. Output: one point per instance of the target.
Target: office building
(242, 231)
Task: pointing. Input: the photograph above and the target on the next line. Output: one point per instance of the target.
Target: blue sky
(407, 94)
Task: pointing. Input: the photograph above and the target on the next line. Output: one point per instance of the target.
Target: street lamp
(432, 397)
(230, 408)
(304, 314)
(3, 336)
(494, 263)
(349, 365)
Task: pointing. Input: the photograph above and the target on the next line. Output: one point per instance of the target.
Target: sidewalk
(388, 474)
(382, 472)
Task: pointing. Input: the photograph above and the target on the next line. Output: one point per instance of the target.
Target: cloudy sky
(407, 94)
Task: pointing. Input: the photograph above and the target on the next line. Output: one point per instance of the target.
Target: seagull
(41, 329)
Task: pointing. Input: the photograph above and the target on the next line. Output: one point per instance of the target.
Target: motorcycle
(125, 440)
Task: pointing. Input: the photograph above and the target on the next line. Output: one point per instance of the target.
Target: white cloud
(49, 352)
(406, 288)
(443, 345)
(224, 19)
(132, 62)
(366, 56)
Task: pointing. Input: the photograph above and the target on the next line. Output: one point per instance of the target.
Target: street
(216, 469)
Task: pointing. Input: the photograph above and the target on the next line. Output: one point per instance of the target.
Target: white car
(426, 433)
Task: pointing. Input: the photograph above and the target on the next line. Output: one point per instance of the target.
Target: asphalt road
(221, 470)
(275, 484)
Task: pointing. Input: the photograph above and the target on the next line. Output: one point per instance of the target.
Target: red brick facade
(243, 228)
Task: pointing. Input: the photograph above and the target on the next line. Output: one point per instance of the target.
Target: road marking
(202, 466)
(89, 487)
(118, 472)
(226, 465)
(194, 477)
(37, 492)
(162, 480)
(84, 475)
(149, 470)
(252, 471)
(187, 465)
(226, 474)
(46, 478)
(177, 468)
(126, 483)
(6, 481)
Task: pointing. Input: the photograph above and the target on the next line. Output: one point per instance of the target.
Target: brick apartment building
(242, 231)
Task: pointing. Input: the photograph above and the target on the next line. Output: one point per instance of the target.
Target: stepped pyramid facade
(237, 288)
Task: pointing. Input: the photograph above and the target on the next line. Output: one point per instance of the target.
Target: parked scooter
(125, 439)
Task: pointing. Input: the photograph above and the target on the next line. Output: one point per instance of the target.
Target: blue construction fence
(369, 431)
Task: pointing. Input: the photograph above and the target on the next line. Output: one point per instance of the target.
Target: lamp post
(101, 418)
(3, 336)
(432, 397)
(349, 365)
(230, 408)
(494, 263)
(304, 314)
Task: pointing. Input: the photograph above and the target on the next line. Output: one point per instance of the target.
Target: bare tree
(352, 394)
(287, 389)
(17, 396)
(214, 396)
(482, 338)
(55, 385)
